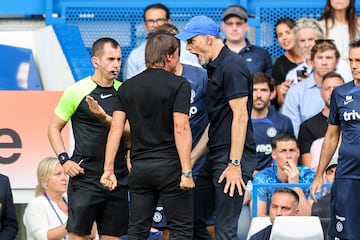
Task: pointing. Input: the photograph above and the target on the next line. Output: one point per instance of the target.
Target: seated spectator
(315, 127)
(290, 59)
(8, 220)
(284, 202)
(315, 151)
(307, 30)
(303, 100)
(285, 152)
(267, 122)
(235, 26)
(46, 215)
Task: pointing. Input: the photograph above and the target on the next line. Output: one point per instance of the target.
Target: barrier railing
(277, 185)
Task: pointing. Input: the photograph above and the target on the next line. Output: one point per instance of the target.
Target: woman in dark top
(287, 61)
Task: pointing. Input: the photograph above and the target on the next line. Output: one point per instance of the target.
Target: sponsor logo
(103, 96)
(348, 99)
(193, 111)
(193, 94)
(13, 145)
(264, 148)
(353, 115)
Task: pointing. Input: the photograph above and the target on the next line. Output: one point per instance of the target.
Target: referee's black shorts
(89, 201)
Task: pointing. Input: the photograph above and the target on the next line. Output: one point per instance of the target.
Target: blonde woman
(46, 215)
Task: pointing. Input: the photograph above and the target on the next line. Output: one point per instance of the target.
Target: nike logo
(346, 102)
(103, 96)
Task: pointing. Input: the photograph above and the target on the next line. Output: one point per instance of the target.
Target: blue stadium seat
(18, 70)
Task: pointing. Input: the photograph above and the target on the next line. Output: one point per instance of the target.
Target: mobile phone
(301, 73)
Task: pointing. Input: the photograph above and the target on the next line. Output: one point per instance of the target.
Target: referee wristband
(63, 157)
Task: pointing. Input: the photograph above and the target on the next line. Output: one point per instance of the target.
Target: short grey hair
(308, 23)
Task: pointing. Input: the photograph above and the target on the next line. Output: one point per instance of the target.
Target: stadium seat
(258, 223)
(297, 228)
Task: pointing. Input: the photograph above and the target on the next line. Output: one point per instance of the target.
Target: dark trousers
(209, 199)
(150, 180)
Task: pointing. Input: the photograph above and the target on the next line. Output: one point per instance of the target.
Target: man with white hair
(307, 30)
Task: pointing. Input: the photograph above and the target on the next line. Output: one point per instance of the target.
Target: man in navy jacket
(8, 220)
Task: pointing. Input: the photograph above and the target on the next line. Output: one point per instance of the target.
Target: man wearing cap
(235, 25)
(231, 158)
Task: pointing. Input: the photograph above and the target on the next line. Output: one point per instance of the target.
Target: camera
(301, 73)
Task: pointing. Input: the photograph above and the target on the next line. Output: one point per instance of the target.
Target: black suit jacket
(8, 221)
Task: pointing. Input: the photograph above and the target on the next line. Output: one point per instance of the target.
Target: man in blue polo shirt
(231, 156)
(235, 26)
(285, 152)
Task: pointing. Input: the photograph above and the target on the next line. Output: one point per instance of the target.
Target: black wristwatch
(187, 173)
(63, 157)
(236, 162)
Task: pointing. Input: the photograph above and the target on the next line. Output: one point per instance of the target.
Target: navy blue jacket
(263, 234)
(8, 221)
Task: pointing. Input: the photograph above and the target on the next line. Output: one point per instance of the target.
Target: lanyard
(52, 206)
